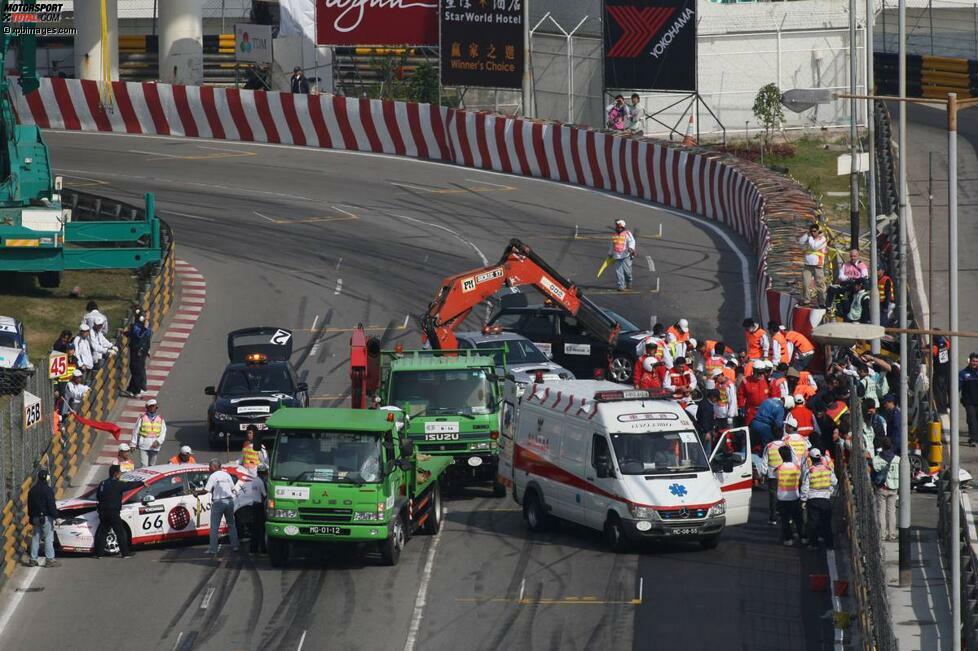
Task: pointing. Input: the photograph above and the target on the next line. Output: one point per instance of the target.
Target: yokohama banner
(376, 22)
(650, 44)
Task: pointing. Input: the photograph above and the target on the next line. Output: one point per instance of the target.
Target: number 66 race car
(162, 510)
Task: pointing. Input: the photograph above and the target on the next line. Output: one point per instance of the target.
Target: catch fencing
(41, 439)
(967, 547)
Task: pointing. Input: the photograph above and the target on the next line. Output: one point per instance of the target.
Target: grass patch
(46, 312)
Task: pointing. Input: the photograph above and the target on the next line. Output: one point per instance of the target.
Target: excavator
(460, 294)
(39, 235)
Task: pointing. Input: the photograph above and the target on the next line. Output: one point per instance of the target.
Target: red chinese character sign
(482, 43)
(650, 44)
(376, 22)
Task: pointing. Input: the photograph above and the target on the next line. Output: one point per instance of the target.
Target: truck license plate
(258, 426)
(331, 531)
(684, 532)
(445, 436)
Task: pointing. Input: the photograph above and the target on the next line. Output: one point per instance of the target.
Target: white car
(164, 509)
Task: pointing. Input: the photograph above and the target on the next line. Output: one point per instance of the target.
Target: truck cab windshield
(328, 456)
(460, 391)
(659, 453)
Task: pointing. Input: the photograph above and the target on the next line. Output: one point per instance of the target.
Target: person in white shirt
(622, 250)
(75, 390)
(636, 115)
(222, 489)
(813, 275)
(84, 351)
(92, 314)
(102, 348)
(148, 434)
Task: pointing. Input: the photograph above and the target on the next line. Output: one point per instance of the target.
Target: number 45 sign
(57, 365)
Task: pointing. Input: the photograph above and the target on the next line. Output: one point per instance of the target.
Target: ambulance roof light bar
(632, 394)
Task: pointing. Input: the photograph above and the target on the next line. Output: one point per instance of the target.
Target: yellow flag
(604, 265)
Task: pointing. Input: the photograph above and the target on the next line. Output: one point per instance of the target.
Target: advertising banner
(376, 22)
(650, 45)
(482, 43)
(253, 43)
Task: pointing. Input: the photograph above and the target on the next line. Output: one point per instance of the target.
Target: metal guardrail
(967, 546)
(868, 578)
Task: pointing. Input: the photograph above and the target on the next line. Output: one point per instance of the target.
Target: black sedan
(559, 335)
(257, 381)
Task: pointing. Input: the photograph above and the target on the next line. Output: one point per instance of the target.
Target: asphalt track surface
(274, 231)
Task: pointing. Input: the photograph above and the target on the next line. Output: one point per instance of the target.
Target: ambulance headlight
(717, 509)
(643, 512)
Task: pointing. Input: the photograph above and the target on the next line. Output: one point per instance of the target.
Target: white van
(628, 463)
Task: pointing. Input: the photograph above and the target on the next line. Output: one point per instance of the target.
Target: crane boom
(519, 265)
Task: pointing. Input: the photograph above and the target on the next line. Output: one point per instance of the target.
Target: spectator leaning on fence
(84, 350)
(76, 390)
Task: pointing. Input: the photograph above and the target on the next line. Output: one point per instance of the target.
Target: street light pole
(952, 234)
(904, 520)
(874, 302)
(853, 104)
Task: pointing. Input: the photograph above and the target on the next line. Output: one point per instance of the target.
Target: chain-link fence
(968, 548)
(943, 27)
(868, 573)
(26, 426)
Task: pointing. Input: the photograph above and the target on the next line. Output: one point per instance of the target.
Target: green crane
(38, 235)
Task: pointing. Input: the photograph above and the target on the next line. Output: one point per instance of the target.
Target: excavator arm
(519, 265)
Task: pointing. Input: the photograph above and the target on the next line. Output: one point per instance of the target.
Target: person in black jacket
(109, 494)
(706, 421)
(41, 509)
(300, 85)
(140, 337)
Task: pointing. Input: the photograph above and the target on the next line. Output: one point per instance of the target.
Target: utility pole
(952, 235)
(904, 520)
(853, 134)
(874, 302)
(528, 108)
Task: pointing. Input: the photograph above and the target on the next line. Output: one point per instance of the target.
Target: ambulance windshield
(659, 453)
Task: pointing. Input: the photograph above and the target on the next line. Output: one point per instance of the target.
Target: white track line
(836, 601)
(18, 594)
(482, 256)
(419, 602)
(650, 262)
(339, 287)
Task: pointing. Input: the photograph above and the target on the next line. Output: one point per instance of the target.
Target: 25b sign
(32, 410)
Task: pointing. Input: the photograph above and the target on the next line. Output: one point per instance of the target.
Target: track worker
(758, 341)
(221, 487)
(771, 460)
(185, 455)
(813, 275)
(124, 458)
(148, 434)
(788, 476)
(109, 494)
(802, 350)
(252, 454)
(817, 488)
(622, 250)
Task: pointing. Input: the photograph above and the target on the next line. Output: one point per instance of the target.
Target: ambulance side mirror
(602, 467)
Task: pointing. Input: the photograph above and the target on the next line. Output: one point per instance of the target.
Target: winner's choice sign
(650, 44)
(376, 22)
(482, 43)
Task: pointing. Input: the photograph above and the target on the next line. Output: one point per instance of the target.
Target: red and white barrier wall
(705, 183)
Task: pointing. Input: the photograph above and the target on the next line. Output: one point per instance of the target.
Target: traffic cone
(688, 139)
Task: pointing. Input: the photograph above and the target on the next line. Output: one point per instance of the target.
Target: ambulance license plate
(330, 531)
(684, 532)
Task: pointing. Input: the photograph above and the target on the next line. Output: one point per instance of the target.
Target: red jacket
(645, 379)
(805, 418)
(751, 393)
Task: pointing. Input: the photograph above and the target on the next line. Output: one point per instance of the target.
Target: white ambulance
(628, 463)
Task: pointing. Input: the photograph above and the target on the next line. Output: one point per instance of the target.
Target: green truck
(452, 399)
(349, 476)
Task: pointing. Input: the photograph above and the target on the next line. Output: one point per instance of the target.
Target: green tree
(768, 110)
(423, 84)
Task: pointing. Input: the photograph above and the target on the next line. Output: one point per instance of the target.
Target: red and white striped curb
(193, 294)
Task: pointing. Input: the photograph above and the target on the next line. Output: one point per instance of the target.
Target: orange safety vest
(783, 346)
(779, 387)
(881, 283)
(798, 443)
(681, 337)
(723, 387)
(619, 242)
(820, 477)
(126, 465)
(150, 428)
(729, 373)
(789, 477)
(679, 378)
(754, 348)
(176, 459)
(799, 341)
(805, 386)
(836, 411)
(773, 456)
(249, 457)
(805, 419)
(711, 362)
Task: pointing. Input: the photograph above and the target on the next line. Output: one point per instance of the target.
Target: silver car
(523, 358)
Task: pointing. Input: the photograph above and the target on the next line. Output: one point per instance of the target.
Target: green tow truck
(452, 398)
(349, 476)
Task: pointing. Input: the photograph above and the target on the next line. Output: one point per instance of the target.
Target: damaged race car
(163, 509)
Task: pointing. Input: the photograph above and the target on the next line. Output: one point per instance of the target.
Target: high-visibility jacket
(126, 465)
(676, 379)
(799, 341)
(676, 331)
(621, 244)
(788, 475)
(806, 385)
(149, 430)
(779, 387)
(711, 345)
(249, 456)
(639, 369)
(819, 482)
(772, 457)
(730, 373)
(176, 459)
(758, 344)
(751, 393)
(815, 249)
(836, 411)
(779, 345)
(885, 286)
(711, 362)
(650, 381)
(799, 444)
(805, 419)
(69, 371)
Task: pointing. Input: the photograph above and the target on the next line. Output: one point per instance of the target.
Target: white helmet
(799, 399)
(710, 384)
(648, 364)
(791, 423)
(684, 325)
(186, 450)
(620, 222)
(789, 403)
(692, 343)
(124, 447)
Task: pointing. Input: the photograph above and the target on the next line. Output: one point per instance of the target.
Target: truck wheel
(390, 549)
(278, 552)
(614, 534)
(498, 490)
(433, 524)
(710, 543)
(537, 519)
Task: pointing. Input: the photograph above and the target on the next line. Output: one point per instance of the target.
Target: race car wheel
(620, 368)
(278, 552)
(432, 525)
(390, 548)
(112, 541)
